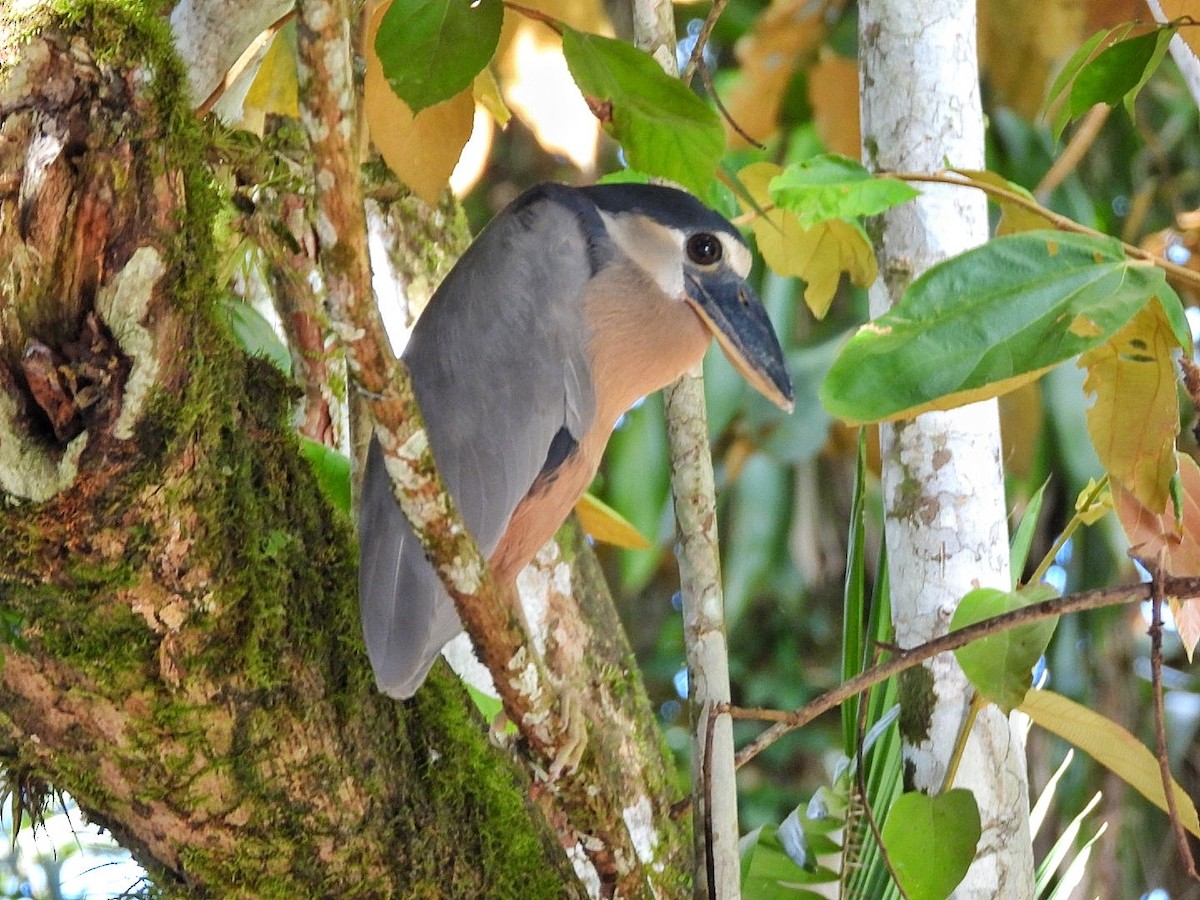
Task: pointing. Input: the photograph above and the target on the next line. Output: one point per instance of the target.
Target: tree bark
(943, 482)
(182, 652)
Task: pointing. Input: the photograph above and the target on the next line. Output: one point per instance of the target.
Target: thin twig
(697, 57)
(964, 735)
(706, 77)
(537, 15)
(1160, 727)
(785, 722)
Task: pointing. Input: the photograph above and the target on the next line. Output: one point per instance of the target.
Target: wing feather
(499, 364)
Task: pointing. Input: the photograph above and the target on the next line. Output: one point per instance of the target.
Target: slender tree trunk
(942, 474)
(717, 869)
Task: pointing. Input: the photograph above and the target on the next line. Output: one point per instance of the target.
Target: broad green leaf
(605, 524)
(819, 254)
(931, 841)
(255, 335)
(332, 470)
(666, 129)
(1111, 746)
(1022, 539)
(433, 49)
(421, 150)
(1000, 666)
(1119, 72)
(834, 187)
(987, 321)
(1133, 378)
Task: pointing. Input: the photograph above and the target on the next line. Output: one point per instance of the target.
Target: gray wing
(500, 369)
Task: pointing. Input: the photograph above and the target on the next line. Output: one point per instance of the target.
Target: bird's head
(698, 257)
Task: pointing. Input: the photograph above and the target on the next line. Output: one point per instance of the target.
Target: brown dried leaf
(423, 150)
(1186, 614)
(1149, 533)
(783, 35)
(833, 92)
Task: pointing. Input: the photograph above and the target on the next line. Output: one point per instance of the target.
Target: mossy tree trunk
(181, 648)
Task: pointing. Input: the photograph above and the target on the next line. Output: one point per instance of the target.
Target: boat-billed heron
(571, 305)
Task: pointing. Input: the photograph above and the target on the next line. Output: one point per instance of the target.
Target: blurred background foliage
(787, 74)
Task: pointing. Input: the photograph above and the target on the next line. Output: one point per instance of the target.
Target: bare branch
(905, 659)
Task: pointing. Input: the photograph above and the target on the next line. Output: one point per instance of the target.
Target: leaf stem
(960, 745)
(1065, 534)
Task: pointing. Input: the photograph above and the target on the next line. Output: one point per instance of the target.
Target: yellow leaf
(1135, 418)
(608, 526)
(819, 255)
(274, 89)
(487, 95)
(1150, 533)
(1111, 746)
(1090, 505)
(962, 398)
(421, 150)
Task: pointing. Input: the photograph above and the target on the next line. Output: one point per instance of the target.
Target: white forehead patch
(662, 251)
(737, 254)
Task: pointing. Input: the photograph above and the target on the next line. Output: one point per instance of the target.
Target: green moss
(916, 704)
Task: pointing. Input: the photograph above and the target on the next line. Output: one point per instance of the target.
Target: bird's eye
(704, 249)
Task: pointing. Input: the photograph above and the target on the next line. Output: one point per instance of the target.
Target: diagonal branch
(903, 659)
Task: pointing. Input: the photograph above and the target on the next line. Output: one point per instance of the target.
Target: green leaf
(931, 841)
(834, 187)
(666, 129)
(766, 867)
(433, 49)
(1000, 666)
(1069, 71)
(332, 470)
(255, 334)
(1022, 539)
(1119, 72)
(989, 320)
